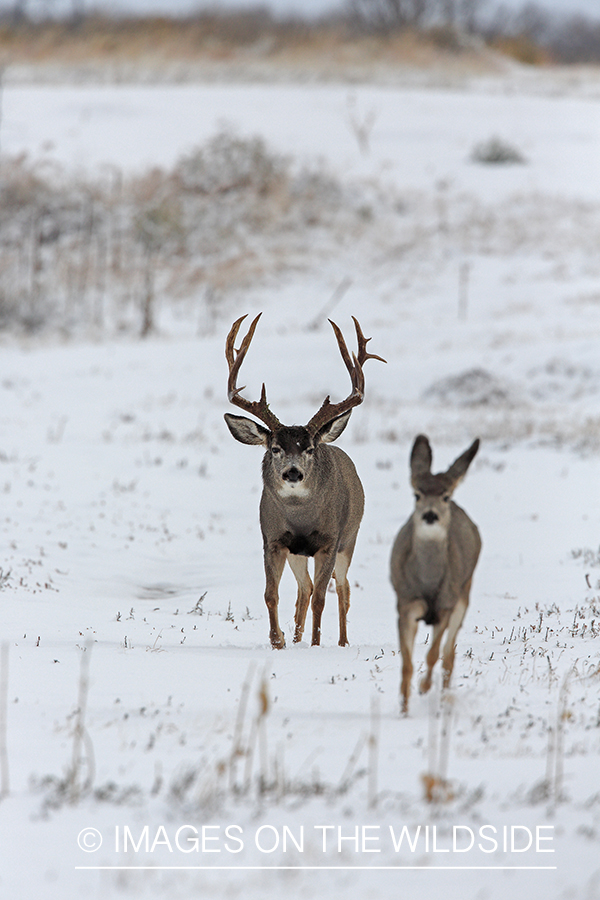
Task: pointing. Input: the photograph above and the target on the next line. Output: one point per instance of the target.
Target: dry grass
(523, 49)
(78, 254)
(245, 43)
(81, 253)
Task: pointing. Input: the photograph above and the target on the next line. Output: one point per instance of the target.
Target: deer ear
(332, 430)
(420, 459)
(458, 469)
(246, 431)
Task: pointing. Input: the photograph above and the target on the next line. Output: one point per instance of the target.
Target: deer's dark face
(290, 457)
(293, 452)
(432, 506)
(433, 493)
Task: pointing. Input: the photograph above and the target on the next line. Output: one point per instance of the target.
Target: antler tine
(235, 358)
(363, 356)
(342, 345)
(354, 364)
(229, 348)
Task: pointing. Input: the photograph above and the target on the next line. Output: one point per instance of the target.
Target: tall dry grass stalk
(263, 712)
(76, 787)
(436, 784)
(555, 756)
(4, 770)
(374, 737)
(238, 750)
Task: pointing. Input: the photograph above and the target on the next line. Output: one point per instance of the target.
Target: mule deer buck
(312, 500)
(433, 559)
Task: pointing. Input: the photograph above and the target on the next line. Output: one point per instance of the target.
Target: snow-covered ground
(134, 633)
(416, 137)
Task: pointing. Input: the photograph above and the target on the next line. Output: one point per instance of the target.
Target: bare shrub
(577, 40)
(387, 15)
(496, 151)
(472, 388)
(229, 163)
(86, 254)
(442, 21)
(587, 556)
(535, 35)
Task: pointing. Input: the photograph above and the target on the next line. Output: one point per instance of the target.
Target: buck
(312, 500)
(432, 563)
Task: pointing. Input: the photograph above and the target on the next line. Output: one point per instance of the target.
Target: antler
(354, 364)
(235, 358)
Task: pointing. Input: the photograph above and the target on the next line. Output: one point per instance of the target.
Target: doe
(312, 500)
(432, 563)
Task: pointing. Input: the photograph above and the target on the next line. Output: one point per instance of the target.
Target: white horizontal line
(329, 868)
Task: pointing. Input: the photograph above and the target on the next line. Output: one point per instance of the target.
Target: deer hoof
(425, 685)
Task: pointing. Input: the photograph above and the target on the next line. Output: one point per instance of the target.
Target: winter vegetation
(410, 32)
(77, 253)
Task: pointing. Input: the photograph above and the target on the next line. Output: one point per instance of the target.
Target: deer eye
(309, 451)
(417, 496)
(447, 498)
(275, 450)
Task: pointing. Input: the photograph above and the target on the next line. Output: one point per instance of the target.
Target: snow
(132, 545)
(417, 137)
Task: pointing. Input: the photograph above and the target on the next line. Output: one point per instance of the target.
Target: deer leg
(434, 651)
(274, 566)
(324, 563)
(408, 622)
(340, 571)
(299, 566)
(456, 619)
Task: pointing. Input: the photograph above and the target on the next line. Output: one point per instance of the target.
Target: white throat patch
(295, 489)
(424, 531)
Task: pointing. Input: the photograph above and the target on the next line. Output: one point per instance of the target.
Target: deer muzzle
(293, 474)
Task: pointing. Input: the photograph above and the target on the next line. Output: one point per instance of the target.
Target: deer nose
(293, 474)
(430, 517)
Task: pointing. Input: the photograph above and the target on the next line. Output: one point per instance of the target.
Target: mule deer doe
(433, 559)
(312, 501)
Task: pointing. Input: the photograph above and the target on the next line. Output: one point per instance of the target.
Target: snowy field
(140, 696)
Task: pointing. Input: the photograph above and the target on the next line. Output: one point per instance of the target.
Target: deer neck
(430, 553)
(295, 510)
